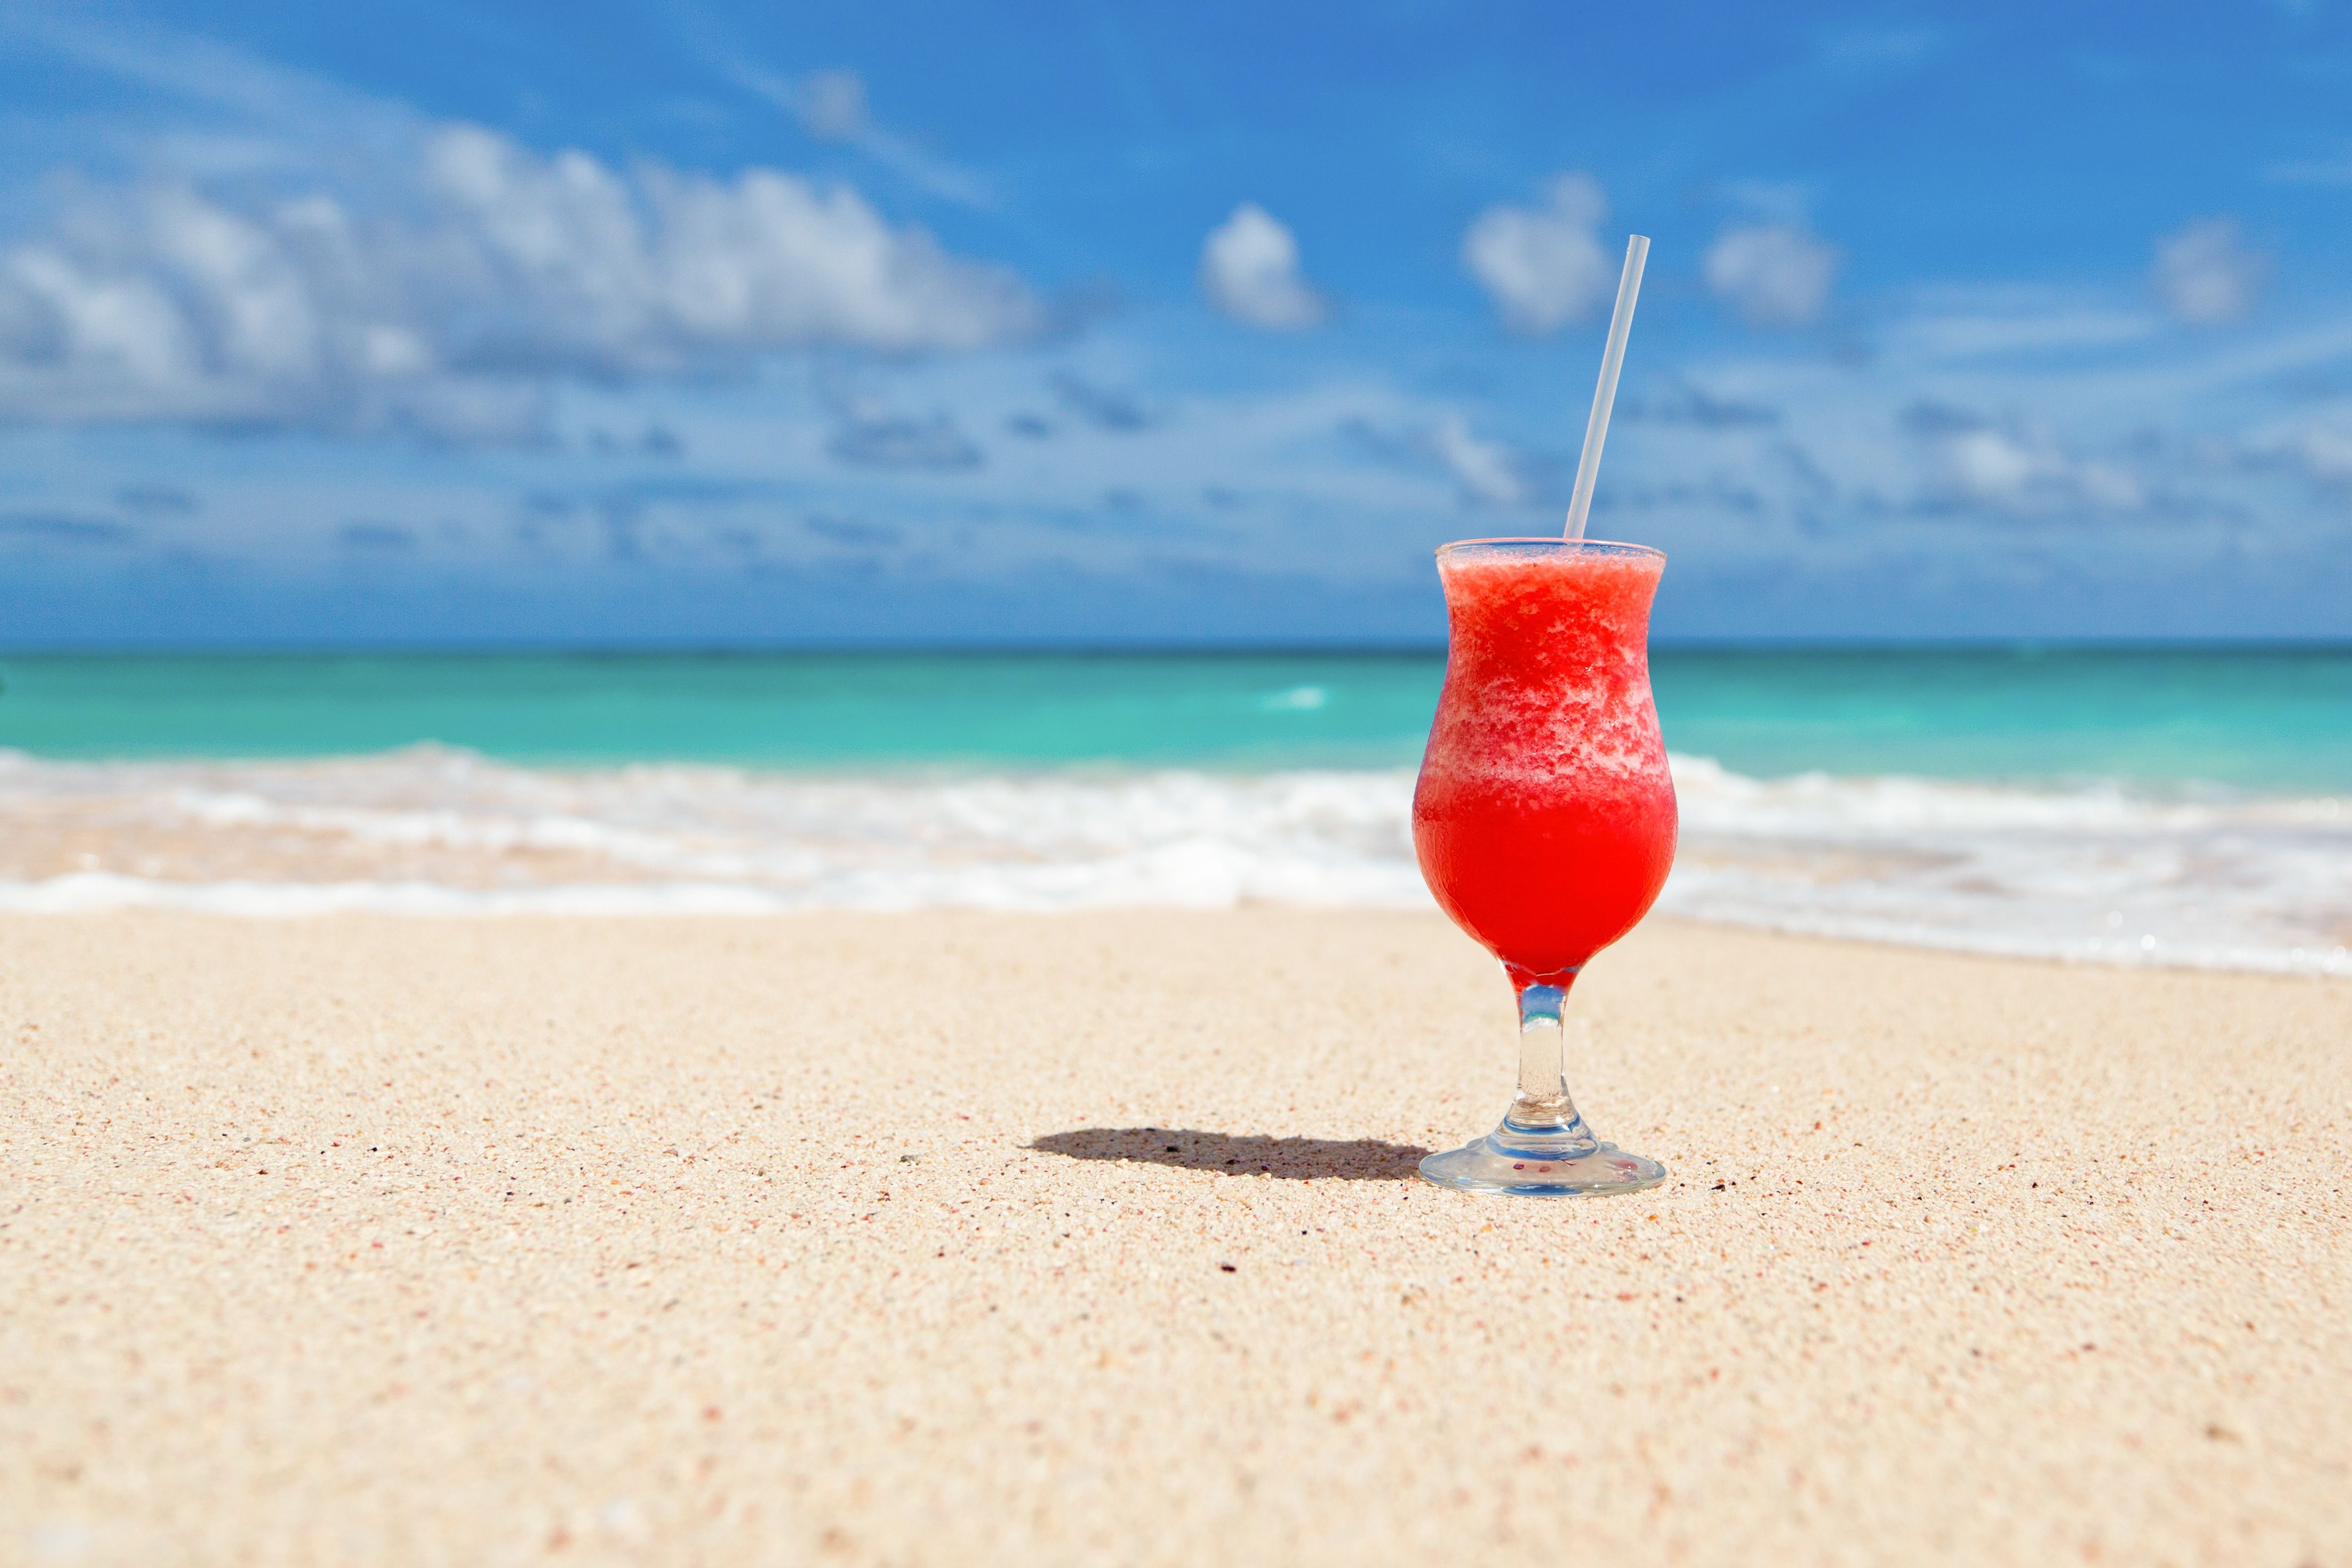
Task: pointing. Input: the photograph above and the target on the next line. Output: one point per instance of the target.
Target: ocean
(2181, 804)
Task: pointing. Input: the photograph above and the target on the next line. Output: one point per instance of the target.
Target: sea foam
(2089, 871)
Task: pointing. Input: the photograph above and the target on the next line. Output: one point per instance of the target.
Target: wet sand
(964, 1238)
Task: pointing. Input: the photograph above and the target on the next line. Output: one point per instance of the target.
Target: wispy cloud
(2319, 445)
(1488, 471)
(1978, 330)
(375, 536)
(2205, 274)
(656, 440)
(870, 434)
(1964, 425)
(852, 533)
(1872, 48)
(832, 106)
(154, 497)
(1104, 407)
(1690, 403)
(931, 442)
(63, 528)
(1485, 471)
(195, 71)
(2331, 171)
(2015, 468)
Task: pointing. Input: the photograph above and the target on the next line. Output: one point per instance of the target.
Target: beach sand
(957, 1238)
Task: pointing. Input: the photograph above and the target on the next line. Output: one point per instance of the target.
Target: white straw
(1612, 360)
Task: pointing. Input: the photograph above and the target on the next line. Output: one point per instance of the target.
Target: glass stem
(1542, 1104)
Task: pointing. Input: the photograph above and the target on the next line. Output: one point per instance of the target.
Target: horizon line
(1097, 648)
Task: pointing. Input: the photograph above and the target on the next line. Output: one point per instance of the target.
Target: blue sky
(710, 322)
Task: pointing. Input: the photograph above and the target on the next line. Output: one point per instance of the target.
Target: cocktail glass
(1544, 817)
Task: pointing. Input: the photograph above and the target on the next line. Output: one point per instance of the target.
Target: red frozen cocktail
(1544, 815)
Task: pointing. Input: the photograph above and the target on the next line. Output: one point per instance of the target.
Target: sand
(958, 1238)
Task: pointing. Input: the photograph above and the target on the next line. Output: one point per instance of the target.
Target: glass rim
(1553, 541)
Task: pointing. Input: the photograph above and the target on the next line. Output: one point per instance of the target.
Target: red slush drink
(1545, 816)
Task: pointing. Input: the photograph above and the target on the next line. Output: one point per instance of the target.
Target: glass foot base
(1541, 1164)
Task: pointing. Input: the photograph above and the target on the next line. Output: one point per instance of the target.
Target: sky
(714, 323)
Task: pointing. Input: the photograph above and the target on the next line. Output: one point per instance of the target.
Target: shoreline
(88, 894)
(388, 1240)
(2088, 873)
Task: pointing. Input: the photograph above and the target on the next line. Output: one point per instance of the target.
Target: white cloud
(1774, 274)
(2326, 452)
(2205, 274)
(650, 269)
(1999, 468)
(2015, 468)
(170, 304)
(1488, 471)
(1249, 269)
(1543, 266)
(2319, 445)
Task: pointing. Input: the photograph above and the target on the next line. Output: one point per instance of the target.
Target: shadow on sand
(1292, 1159)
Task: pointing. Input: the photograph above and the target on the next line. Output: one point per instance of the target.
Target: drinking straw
(1612, 360)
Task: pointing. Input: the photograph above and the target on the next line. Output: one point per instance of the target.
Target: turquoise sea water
(2168, 805)
(2261, 719)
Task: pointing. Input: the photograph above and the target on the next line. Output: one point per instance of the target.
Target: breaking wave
(2091, 870)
